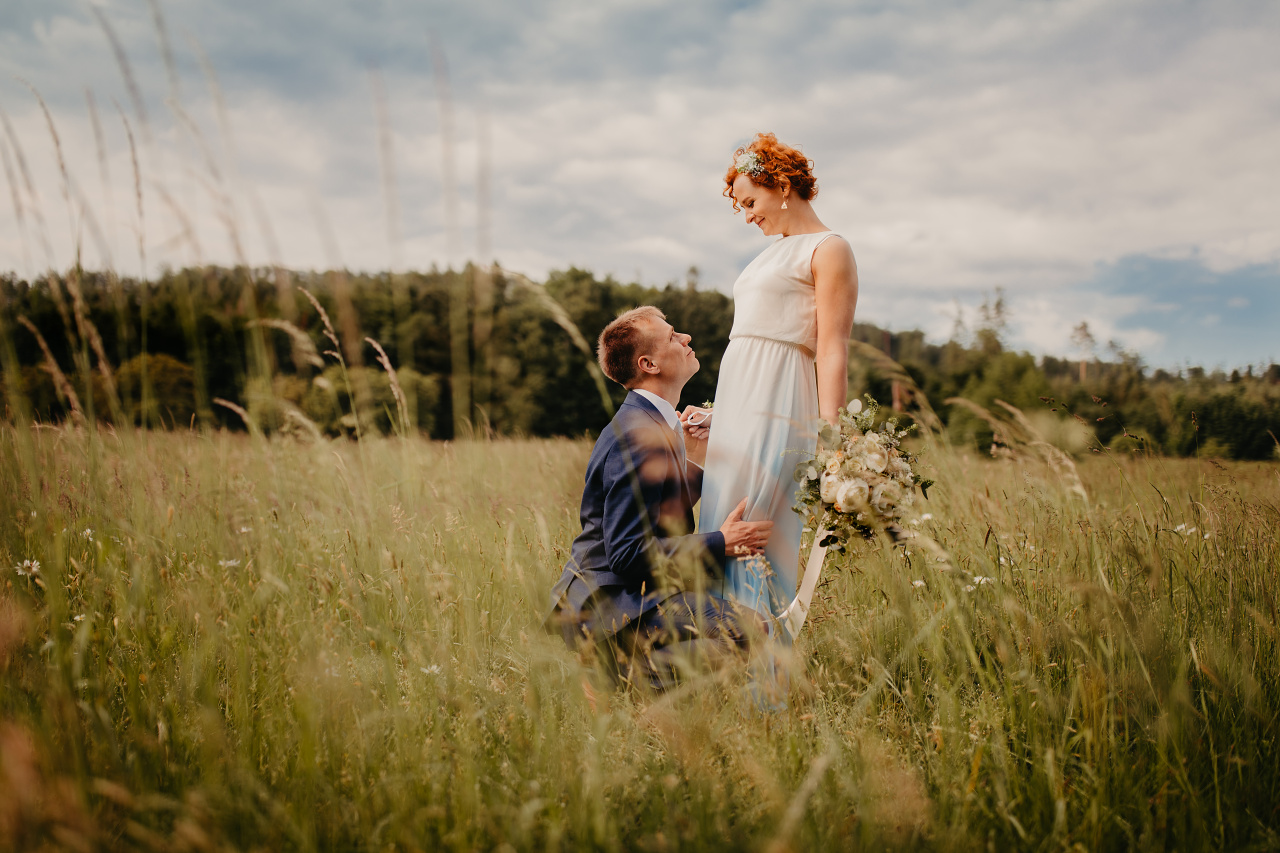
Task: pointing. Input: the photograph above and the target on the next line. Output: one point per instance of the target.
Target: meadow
(248, 642)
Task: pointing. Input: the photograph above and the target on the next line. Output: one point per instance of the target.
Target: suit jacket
(637, 517)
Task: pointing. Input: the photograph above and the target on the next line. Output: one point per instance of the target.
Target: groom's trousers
(684, 634)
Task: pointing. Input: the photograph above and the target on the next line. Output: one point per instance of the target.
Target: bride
(786, 366)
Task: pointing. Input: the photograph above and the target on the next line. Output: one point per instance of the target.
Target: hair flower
(748, 163)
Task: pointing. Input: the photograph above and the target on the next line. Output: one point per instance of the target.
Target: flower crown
(749, 163)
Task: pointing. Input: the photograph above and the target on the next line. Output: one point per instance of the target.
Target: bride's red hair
(780, 166)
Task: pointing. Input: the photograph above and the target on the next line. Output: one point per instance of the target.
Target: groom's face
(669, 351)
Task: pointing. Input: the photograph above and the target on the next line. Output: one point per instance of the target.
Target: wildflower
(79, 618)
(246, 529)
(434, 669)
(969, 587)
(88, 533)
(980, 580)
(1003, 561)
(27, 568)
(227, 564)
(918, 584)
(928, 516)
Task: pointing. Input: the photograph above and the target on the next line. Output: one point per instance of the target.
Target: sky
(1102, 161)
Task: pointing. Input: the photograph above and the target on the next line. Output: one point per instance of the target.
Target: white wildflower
(88, 533)
(981, 581)
(246, 529)
(928, 516)
(79, 618)
(969, 587)
(918, 584)
(227, 564)
(434, 669)
(28, 568)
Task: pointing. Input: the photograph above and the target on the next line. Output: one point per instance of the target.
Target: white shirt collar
(666, 409)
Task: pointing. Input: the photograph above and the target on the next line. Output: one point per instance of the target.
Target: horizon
(1106, 165)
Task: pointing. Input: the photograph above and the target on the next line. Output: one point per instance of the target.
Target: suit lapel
(673, 443)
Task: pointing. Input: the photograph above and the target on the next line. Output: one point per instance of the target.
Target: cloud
(1035, 147)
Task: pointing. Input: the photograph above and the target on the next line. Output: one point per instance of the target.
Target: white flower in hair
(748, 163)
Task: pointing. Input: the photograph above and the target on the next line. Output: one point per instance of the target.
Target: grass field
(233, 642)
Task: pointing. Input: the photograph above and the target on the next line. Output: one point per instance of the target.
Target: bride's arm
(835, 277)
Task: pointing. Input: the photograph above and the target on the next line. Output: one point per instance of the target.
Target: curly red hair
(780, 165)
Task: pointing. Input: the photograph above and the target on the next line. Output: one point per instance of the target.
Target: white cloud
(959, 148)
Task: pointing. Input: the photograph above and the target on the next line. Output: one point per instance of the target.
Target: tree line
(487, 351)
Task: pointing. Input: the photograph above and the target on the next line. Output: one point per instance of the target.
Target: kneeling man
(634, 584)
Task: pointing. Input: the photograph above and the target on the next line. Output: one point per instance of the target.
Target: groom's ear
(646, 365)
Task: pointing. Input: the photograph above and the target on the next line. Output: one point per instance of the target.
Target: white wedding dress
(766, 415)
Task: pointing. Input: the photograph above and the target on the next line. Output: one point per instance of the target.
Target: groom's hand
(744, 537)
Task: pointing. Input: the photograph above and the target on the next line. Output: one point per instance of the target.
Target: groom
(633, 583)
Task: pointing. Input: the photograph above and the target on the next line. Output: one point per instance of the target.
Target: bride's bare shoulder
(835, 255)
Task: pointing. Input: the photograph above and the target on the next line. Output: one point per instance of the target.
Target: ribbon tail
(794, 616)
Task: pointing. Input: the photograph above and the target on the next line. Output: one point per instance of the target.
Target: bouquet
(860, 480)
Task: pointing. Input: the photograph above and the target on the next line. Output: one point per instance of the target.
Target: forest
(486, 351)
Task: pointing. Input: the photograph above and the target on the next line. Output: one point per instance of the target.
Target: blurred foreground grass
(232, 642)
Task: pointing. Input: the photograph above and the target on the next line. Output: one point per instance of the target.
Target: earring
(784, 204)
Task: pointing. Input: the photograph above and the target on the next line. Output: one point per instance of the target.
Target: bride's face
(761, 205)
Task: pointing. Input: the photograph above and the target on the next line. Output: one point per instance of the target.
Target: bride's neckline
(805, 234)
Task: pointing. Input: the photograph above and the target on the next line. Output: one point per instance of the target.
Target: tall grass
(252, 643)
(222, 641)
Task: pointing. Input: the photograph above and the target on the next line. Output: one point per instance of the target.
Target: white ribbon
(793, 617)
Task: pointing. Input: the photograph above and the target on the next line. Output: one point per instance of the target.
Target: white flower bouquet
(861, 480)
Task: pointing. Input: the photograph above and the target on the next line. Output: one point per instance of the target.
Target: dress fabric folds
(766, 417)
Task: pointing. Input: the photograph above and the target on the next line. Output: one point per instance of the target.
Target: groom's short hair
(623, 341)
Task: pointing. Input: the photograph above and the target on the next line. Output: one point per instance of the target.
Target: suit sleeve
(632, 505)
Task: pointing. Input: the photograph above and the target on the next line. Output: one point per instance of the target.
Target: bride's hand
(697, 422)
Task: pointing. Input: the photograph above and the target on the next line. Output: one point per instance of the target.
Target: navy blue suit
(637, 515)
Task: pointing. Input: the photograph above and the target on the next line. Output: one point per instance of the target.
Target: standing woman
(786, 365)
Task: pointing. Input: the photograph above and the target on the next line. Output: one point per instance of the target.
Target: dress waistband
(801, 347)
